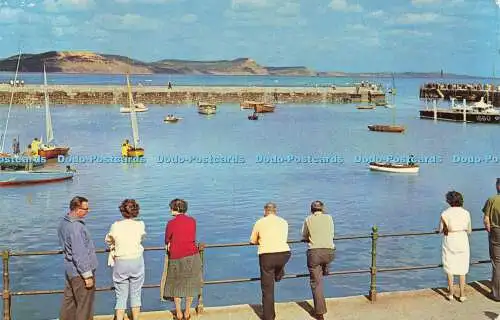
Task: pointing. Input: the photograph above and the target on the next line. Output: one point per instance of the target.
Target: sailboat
(135, 151)
(385, 127)
(49, 151)
(12, 178)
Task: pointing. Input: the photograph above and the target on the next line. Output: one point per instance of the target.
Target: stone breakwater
(109, 94)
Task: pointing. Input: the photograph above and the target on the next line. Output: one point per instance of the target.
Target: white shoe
(462, 299)
(450, 297)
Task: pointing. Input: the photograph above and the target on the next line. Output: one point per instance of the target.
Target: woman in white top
(455, 224)
(124, 239)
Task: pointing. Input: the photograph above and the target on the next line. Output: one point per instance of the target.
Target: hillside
(90, 62)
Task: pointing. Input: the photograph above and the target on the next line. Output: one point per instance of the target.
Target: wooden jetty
(116, 94)
(470, 92)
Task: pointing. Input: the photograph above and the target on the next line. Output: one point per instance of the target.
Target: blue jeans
(128, 275)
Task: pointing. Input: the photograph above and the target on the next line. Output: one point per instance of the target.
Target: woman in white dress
(455, 224)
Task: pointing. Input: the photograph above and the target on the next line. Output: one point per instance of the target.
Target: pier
(410, 305)
(469, 92)
(114, 94)
(426, 304)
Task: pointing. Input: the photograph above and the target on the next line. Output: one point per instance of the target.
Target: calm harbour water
(226, 199)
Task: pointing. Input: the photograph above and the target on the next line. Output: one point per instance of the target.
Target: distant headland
(86, 62)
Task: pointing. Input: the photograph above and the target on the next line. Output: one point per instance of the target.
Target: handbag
(111, 256)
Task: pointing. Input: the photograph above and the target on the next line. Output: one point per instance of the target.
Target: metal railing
(373, 270)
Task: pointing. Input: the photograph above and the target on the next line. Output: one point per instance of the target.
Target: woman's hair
(316, 206)
(270, 208)
(129, 208)
(179, 205)
(454, 199)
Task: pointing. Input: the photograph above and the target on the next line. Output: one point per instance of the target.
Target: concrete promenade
(426, 304)
(117, 94)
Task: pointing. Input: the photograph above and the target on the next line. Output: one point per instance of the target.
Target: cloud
(377, 14)
(189, 18)
(128, 21)
(145, 1)
(342, 5)
(68, 5)
(64, 31)
(412, 33)
(10, 15)
(289, 8)
(235, 4)
(424, 2)
(420, 18)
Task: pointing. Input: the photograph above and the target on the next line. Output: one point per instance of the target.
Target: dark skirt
(184, 277)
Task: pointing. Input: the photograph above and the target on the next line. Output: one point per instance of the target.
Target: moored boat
(478, 112)
(20, 162)
(134, 151)
(248, 104)
(49, 150)
(207, 108)
(264, 108)
(138, 107)
(365, 107)
(394, 167)
(386, 128)
(10, 178)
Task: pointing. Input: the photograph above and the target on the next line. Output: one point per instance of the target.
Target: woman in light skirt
(126, 257)
(455, 224)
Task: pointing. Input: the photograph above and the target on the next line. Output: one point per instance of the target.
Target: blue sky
(458, 36)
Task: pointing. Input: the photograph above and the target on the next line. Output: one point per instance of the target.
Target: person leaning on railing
(271, 234)
(455, 224)
(491, 212)
(80, 263)
(124, 239)
(184, 273)
(318, 232)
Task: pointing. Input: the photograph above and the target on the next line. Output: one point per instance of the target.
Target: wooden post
(6, 289)
(199, 306)
(373, 268)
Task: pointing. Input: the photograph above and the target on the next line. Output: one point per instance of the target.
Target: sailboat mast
(133, 115)
(10, 103)
(393, 92)
(49, 133)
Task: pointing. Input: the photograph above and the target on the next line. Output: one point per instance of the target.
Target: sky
(458, 36)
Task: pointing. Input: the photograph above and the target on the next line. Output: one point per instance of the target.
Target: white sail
(133, 115)
(49, 132)
(10, 103)
(497, 2)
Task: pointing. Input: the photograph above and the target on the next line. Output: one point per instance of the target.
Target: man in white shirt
(271, 234)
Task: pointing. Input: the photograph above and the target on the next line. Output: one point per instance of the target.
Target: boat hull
(51, 153)
(135, 152)
(447, 115)
(128, 110)
(394, 168)
(386, 128)
(365, 107)
(170, 120)
(264, 108)
(33, 177)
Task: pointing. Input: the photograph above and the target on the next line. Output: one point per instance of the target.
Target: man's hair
(270, 207)
(316, 206)
(76, 202)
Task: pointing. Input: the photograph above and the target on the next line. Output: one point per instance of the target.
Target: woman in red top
(184, 275)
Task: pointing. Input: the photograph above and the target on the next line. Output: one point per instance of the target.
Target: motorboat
(386, 128)
(365, 107)
(171, 119)
(207, 108)
(394, 167)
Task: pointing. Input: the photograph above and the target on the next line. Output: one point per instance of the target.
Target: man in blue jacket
(80, 263)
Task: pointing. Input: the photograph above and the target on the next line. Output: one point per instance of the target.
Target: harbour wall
(104, 94)
(469, 92)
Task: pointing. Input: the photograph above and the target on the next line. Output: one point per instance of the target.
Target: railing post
(373, 268)
(6, 287)
(199, 306)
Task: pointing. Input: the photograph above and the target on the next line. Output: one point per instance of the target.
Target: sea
(300, 153)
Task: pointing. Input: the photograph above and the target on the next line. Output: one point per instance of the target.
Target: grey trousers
(78, 301)
(494, 246)
(272, 268)
(318, 263)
